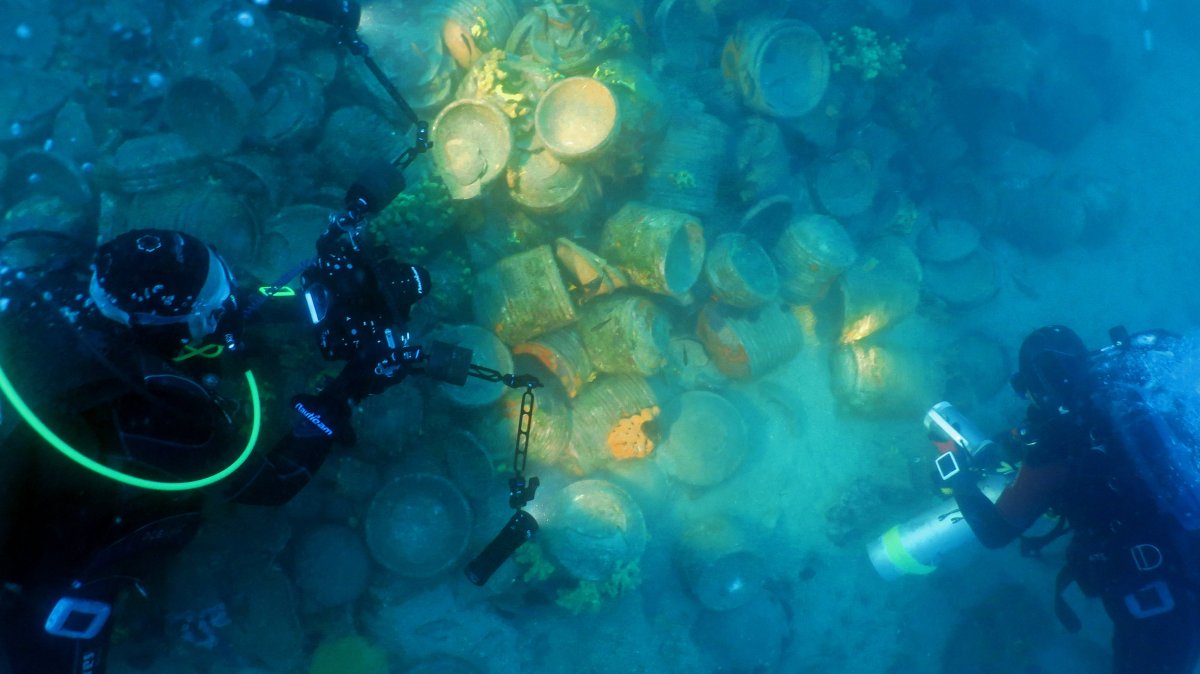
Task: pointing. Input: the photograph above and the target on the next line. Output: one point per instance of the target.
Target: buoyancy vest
(1135, 496)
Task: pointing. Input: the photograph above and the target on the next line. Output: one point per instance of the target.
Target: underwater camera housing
(359, 303)
(351, 298)
(960, 438)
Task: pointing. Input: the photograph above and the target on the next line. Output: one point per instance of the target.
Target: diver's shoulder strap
(162, 535)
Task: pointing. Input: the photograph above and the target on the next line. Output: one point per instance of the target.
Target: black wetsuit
(1066, 468)
(137, 412)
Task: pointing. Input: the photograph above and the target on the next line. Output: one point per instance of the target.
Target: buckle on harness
(947, 465)
(1150, 600)
(1146, 556)
(75, 618)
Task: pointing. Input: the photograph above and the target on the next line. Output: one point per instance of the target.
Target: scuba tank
(923, 543)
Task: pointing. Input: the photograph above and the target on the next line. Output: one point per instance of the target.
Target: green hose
(18, 404)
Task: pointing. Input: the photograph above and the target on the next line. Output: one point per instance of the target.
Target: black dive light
(520, 528)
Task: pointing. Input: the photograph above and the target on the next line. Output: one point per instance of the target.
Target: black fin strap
(1065, 614)
(1031, 546)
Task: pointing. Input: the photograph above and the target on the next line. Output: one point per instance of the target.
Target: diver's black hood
(153, 271)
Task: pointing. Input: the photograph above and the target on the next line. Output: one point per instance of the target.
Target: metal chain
(485, 373)
(520, 492)
(524, 424)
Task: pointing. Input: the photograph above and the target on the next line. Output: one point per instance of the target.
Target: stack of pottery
(566, 37)
(705, 441)
(577, 119)
(543, 184)
(625, 334)
(290, 109)
(352, 133)
(660, 249)
(739, 272)
(155, 162)
(471, 146)
(811, 253)
(549, 437)
(610, 418)
(418, 525)
(881, 289)
(523, 296)
(845, 183)
(685, 173)
(886, 380)
(210, 109)
(561, 353)
(595, 529)
(687, 33)
(473, 27)
(749, 344)
(958, 272)
(780, 66)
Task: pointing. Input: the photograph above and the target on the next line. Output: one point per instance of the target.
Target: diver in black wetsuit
(1136, 556)
(114, 366)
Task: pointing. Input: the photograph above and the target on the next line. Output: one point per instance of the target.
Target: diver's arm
(282, 472)
(985, 520)
(318, 421)
(1019, 506)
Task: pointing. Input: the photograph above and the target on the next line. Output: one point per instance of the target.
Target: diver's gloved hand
(327, 414)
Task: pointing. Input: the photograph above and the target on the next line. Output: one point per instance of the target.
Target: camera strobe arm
(344, 16)
(341, 14)
(360, 48)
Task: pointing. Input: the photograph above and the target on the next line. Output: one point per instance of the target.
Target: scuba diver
(119, 420)
(1098, 451)
(115, 365)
